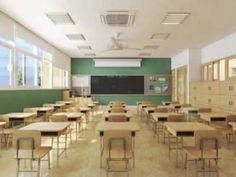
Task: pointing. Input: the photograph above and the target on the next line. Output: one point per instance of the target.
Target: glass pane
(232, 67)
(57, 77)
(222, 69)
(30, 71)
(39, 73)
(215, 67)
(24, 45)
(20, 69)
(47, 74)
(210, 72)
(5, 63)
(205, 73)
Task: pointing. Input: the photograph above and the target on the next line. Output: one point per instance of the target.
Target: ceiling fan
(118, 45)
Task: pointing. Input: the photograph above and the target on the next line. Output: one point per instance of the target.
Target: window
(57, 77)
(209, 72)
(47, 74)
(222, 70)
(25, 46)
(28, 70)
(232, 67)
(205, 72)
(5, 66)
(215, 71)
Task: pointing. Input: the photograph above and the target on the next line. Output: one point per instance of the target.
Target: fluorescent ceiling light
(175, 18)
(84, 47)
(63, 18)
(144, 54)
(160, 36)
(118, 62)
(151, 47)
(90, 54)
(75, 37)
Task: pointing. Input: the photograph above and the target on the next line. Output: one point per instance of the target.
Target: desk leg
(58, 151)
(66, 145)
(76, 130)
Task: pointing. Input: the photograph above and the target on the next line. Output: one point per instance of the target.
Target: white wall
(180, 59)
(222, 48)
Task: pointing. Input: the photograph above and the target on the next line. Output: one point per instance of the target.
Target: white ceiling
(209, 21)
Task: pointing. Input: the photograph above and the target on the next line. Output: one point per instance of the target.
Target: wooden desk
(20, 117)
(184, 129)
(51, 129)
(125, 110)
(233, 124)
(213, 117)
(189, 112)
(64, 102)
(106, 115)
(166, 102)
(162, 117)
(73, 117)
(42, 111)
(86, 111)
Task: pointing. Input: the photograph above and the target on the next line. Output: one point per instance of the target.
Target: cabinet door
(224, 103)
(213, 88)
(233, 104)
(232, 87)
(213, 101)
(224, 87)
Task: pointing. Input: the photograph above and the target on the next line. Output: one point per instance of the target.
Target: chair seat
(195, 153)
(38, 153)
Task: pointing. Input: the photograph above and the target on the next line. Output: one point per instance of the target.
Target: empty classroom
(117, 88)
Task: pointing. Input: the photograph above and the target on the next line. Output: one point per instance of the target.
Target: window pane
(5, 63)
(210, 72)
(232, 67)
(222, 69)
(215, 67)
(39, 73)
(205, 73)
(57, 77)
(30, 71)
(24, 45)
(20, 69)
(47, 70)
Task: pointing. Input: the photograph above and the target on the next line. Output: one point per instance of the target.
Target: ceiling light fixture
(62, 18)
(160, 36)
(175, 18)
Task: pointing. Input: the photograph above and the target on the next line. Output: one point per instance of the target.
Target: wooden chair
(207, 145)
(117, 110)
(229, 132)
(161, 110)
(28, 147)
(173, 142)
(185, 105)
(7, 132)
(117, 118)
(61, 118)
(117, 146)
(32, 118)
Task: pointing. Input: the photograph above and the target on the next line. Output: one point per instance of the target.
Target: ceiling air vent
(175, 18)
(151, 47)
(84, 47)
(160, 36)
(118, 18)
(63, 18)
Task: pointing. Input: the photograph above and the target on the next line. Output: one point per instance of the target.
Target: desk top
(2, 123)
(109, 126)
(70, 114)
(46, 109)
(84, 109)
(150, 109)
(116, 114)
(175, 127)
(185, 110)
(47, 126)
(20, 115)
(163, 114)
(64, 102)
(215, 115)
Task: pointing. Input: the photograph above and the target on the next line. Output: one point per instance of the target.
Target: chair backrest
(5, 118)
(185, 105)
(29, 110)
(175, 102)
(58, 118)
(26, 139)
(48, 105)
(161, 110)
(117, 143)
(208, 140)
(175, 118)
(117, 110)
(204, 110)
(117, 118)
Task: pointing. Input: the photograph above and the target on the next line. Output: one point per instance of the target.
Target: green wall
(148, 66)
(16, 100)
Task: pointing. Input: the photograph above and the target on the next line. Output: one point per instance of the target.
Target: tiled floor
(151, 158)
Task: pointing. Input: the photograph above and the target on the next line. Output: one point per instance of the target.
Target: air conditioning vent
(118, 18)
(151, 47)
(160, 36)
(63, 18)
(84, 47)
(175, 18)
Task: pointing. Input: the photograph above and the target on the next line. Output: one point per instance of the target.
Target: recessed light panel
(90, 54)
(144, 54)
(160, 36)
(84, 47)
(175, 18)
(75, 37)
(63, 18)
